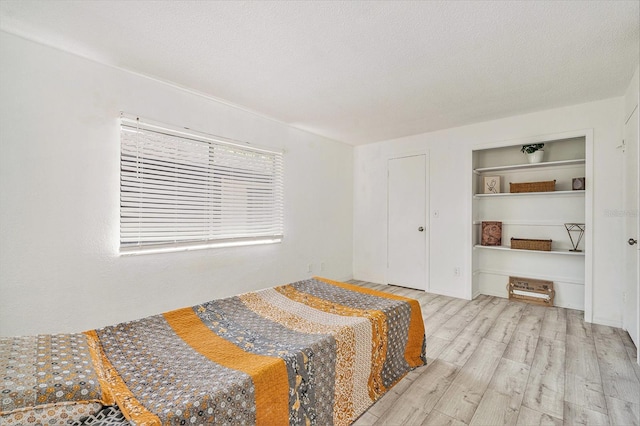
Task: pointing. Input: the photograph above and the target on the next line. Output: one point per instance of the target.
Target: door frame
(630, 210)
(427, 224)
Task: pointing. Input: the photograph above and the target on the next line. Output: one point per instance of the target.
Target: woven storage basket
(525, 244)
(545, 186)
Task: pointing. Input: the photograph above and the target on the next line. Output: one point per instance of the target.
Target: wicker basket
(525, 244)
(545, 186)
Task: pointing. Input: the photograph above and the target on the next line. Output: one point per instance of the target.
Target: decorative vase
(535, 157)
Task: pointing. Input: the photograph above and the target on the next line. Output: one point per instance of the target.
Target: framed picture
(577, 184)
(491, 234)
(491, 184)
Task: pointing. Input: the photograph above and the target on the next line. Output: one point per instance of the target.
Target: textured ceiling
(357, 72)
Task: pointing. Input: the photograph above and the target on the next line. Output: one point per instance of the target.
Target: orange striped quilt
(312, 352)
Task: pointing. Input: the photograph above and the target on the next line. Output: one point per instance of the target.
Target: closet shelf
(528, 223)
(507, 248)
(534, 194)
(530, 166)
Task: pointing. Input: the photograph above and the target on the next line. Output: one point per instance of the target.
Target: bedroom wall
(59, 194)
(450, 194)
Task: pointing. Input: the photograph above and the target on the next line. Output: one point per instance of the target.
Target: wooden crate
(545, 186)
(528, 244)
(537, 292)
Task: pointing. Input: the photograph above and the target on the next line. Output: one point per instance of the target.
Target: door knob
(422, 229)
(632, 241)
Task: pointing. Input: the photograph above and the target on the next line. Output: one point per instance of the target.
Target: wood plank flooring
(495, 362)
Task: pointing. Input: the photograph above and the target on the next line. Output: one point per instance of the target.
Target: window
(184, 190)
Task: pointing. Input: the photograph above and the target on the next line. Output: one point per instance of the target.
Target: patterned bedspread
(312, 352)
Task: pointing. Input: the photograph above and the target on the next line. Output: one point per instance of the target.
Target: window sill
(169, 248)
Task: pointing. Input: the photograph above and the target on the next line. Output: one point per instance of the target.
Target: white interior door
(631, 203)
(407, 224)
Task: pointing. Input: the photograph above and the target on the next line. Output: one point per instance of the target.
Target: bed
(312, 352)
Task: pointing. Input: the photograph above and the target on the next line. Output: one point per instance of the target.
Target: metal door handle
(632, 241)
(421, 229)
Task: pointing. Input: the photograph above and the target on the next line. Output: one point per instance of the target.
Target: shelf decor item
(538, 292)
(534, 152)
(491, 185)
(528, 244)
(544, 186)
(578, 231)
(491, 234)
(577, 184)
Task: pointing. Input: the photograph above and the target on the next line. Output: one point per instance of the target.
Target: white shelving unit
(536, 215)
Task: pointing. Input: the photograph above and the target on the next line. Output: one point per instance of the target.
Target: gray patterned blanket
(312, 352)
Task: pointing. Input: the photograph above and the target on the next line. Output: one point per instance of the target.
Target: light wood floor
(495, 362)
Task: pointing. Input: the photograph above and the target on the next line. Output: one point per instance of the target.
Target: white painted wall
(632, 94)
(59, 194)
(450, 194)
(59, 152)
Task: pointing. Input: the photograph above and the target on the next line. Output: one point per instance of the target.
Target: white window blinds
(179, 189)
